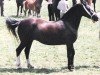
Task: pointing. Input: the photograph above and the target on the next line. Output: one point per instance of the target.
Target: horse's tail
(11, 25)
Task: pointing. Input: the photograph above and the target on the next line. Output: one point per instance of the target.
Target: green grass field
(51, 60)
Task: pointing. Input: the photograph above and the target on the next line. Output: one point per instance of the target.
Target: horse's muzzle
(95, 17)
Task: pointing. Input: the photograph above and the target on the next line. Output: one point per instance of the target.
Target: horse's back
(43, 25)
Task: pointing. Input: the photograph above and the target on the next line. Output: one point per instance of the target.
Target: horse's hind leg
(27, 51)
(18, 51)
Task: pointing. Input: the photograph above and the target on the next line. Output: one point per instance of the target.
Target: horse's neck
(73, 18)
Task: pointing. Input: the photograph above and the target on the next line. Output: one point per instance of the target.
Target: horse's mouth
(94, 21)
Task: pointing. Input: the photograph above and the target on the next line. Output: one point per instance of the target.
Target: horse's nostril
(95, 18)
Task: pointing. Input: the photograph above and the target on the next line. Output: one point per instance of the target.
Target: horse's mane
(72, 10)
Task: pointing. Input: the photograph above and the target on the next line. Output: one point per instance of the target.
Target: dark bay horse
(19, 4)
(62, 32)
(34, 5)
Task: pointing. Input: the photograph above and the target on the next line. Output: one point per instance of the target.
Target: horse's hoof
(71, 68)
(21, 14)
(19, 68)
(16, 15)
(30, 67)
(38, 16)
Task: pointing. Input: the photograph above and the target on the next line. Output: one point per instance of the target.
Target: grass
(51, 60)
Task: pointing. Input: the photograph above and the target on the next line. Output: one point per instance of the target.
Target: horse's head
(88, 12)
(80, 10)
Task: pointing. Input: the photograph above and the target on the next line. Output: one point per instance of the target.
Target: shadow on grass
(86, 67)
(44, 70)
(14, 16)
(23, 70)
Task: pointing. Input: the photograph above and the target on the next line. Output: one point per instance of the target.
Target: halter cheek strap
(88, 11)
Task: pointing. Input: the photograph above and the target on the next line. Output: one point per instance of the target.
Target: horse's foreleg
(21, 10)
(17, 10)
(27, 51)
(70, 55)
(33, 11)
(25, 12)
(38, 14)
(18, 51)
(29, 12)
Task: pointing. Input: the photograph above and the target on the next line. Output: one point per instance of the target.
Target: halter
(88, 11)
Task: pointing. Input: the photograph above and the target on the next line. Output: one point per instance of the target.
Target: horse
(61, 32)
(19, 4)
(34, 5)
